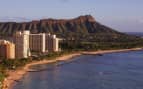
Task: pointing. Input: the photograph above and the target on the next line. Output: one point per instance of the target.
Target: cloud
(140, 21)
(13, 19)
(64, 1)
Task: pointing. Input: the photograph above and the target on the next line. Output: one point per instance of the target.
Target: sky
(122, 15)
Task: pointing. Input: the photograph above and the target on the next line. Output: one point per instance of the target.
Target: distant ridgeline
(83, 28)
(135, 33)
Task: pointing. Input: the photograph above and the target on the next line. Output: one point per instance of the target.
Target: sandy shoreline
(19, 73)
(15, 75)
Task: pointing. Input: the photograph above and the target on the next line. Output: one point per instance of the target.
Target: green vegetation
(2, 74)
(100, 42)
(89, 46)
(101, 45)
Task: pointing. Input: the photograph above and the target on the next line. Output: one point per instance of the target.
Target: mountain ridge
(83, 27)
(45, 24)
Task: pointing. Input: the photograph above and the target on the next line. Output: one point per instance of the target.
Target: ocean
(123, 70)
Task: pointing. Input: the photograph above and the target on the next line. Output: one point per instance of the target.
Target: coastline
(15, 75)
(110, 51)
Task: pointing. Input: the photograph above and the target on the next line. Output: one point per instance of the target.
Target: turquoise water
(110, 71)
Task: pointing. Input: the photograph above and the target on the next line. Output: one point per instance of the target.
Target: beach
(16, 75)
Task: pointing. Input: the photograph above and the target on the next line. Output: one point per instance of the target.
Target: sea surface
(109, 71)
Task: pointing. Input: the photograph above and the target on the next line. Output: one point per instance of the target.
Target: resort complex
(24, 44)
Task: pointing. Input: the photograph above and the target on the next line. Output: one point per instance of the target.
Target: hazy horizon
(121, 15)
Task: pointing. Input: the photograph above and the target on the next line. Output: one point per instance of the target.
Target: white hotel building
(21, 40)
(52, 43)
(26, 43)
